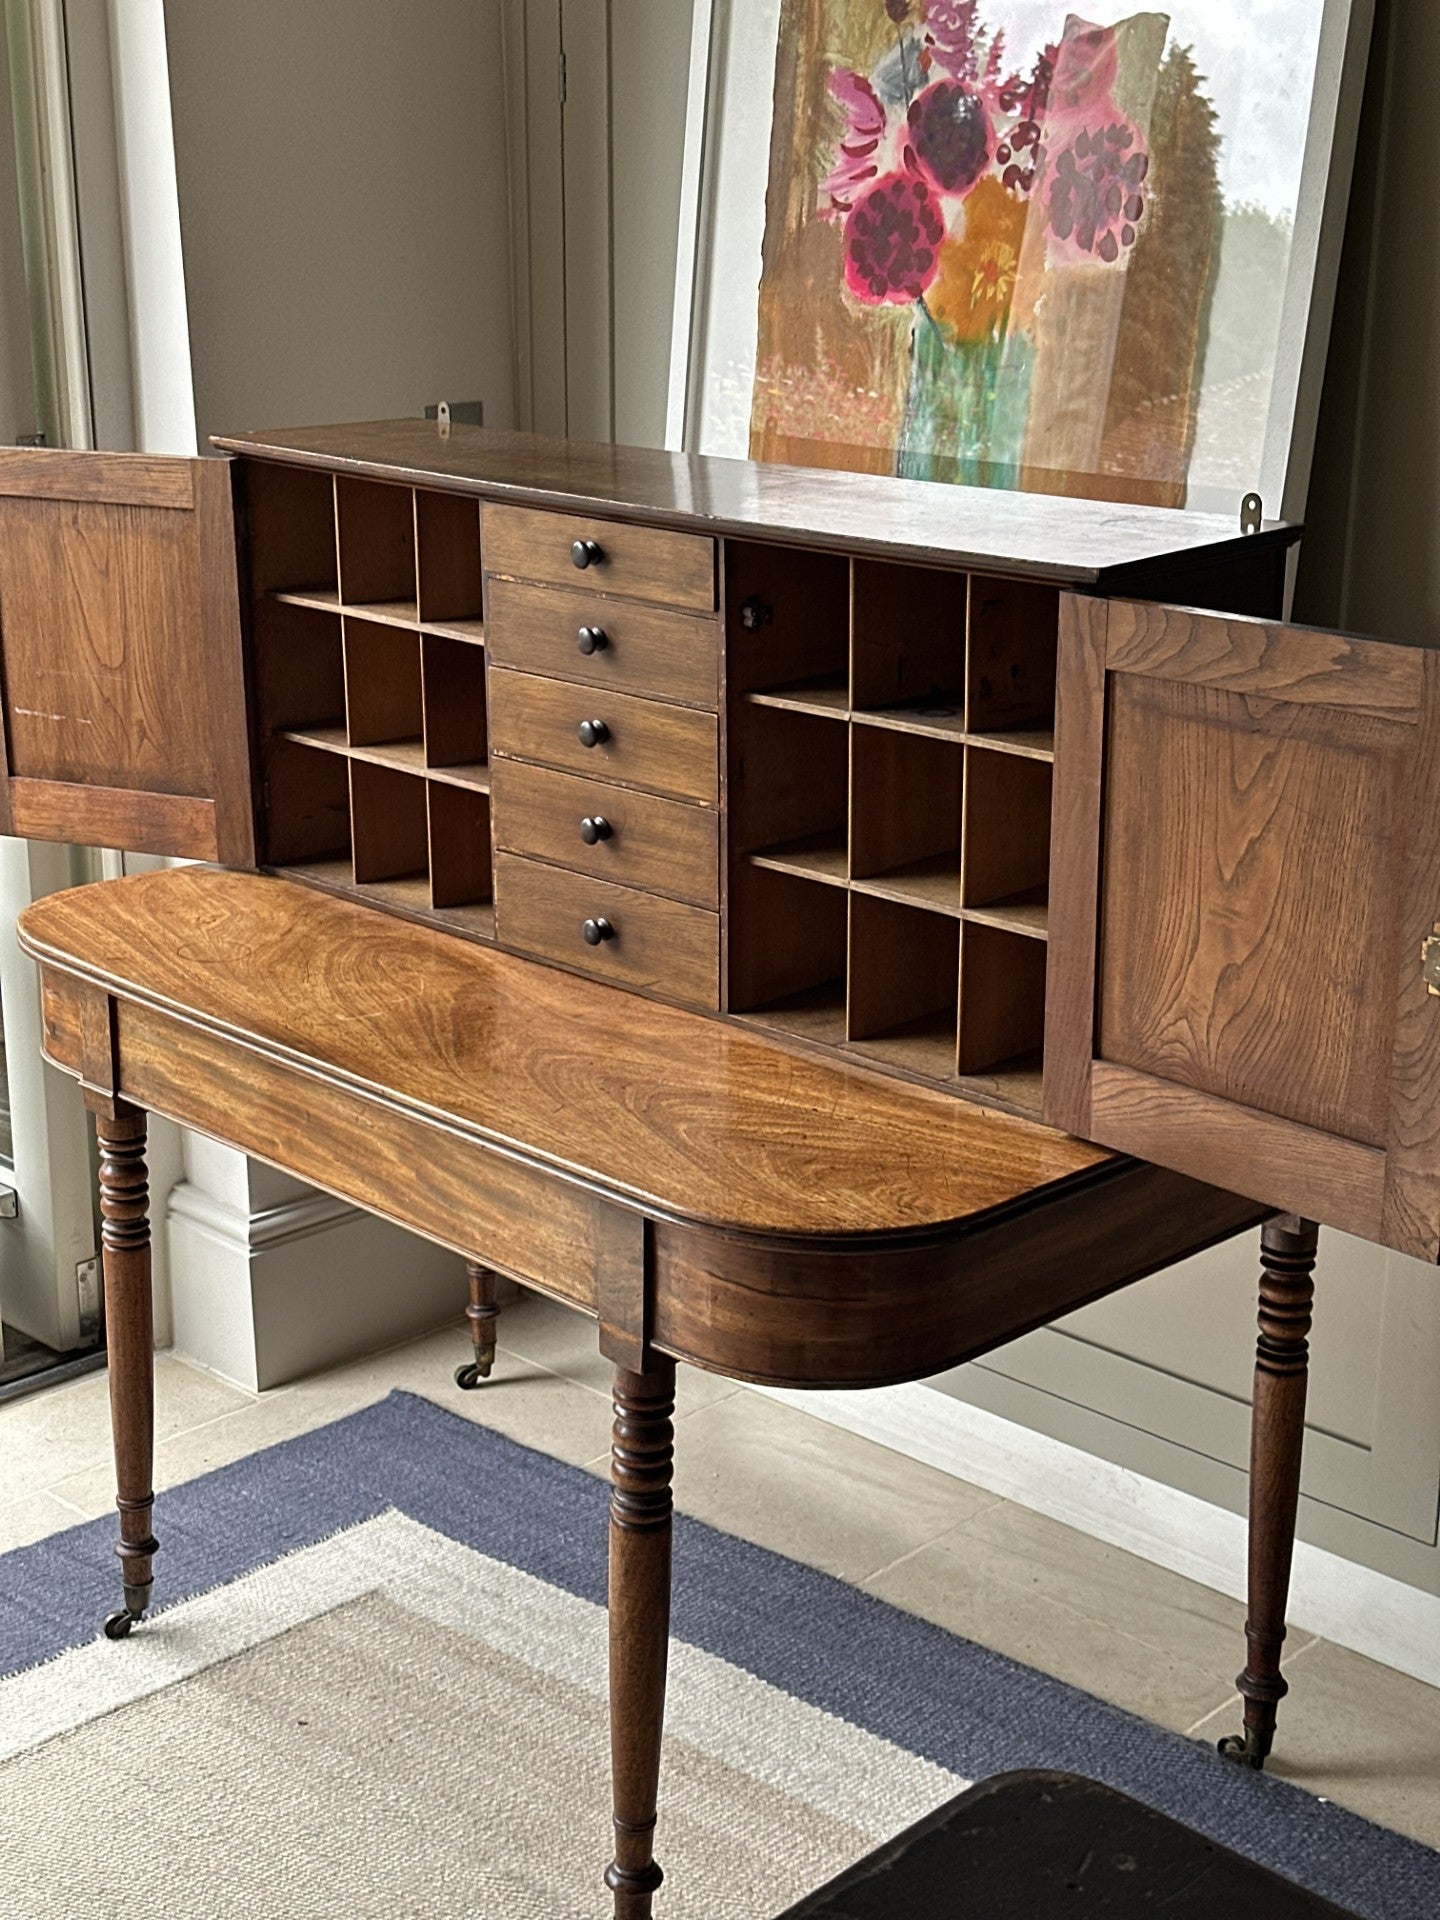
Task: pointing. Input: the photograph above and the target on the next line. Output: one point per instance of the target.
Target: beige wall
(650, 56)
(343, 201)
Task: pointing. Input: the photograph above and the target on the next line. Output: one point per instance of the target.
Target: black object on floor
(1050, 1846)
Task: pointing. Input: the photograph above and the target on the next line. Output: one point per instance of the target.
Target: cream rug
(390, 1724)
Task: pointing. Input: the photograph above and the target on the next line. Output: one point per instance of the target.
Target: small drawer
(566, 549)
(637, 743)
(659, 945)
(634, 839)
(606, 643)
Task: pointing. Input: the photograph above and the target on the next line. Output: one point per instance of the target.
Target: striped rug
(376, 1687)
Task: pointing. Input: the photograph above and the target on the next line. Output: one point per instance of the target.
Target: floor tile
(756, 1468)
(964, 1582)
(537, 1408)
(33, 1518)
(61, 1430)
(564, 1341)
(1180, 1618)
(1359, 1734)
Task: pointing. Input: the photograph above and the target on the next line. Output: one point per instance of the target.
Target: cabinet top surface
(1074, 542)
(686, 1116)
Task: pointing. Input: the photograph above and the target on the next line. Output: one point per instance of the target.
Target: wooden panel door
(124, 718)
(1246, 861)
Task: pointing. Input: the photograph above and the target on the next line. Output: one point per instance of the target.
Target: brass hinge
(1430, 961)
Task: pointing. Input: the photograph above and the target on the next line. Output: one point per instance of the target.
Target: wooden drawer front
(668, 846)
(649, 563)
(670, 949)
(645, 650)
(647, 744)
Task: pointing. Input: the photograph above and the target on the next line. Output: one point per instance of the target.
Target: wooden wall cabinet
(956, 785)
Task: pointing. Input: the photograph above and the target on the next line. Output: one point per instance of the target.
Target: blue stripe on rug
(929, 1691)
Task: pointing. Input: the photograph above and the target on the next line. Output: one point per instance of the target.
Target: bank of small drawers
(604, 735)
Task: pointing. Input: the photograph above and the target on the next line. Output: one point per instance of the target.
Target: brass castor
(468, 1377)
(119, 1623)
(1243, 1749)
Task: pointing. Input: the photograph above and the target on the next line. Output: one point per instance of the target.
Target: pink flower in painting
(950, 135)
(855, 162)
(892, 241)
(950, 27)
(1095, 202)
(1093, 155)
(1088, 71)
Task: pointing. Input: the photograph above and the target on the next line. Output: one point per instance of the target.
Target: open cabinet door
(123, 680)
(1247, 861)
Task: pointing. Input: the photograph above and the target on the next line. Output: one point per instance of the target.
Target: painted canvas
(1012, 246)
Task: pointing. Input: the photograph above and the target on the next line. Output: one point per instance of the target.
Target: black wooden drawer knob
(593, 733)
(592, 640)
(586, 553)
(595, 827)
(597, 930)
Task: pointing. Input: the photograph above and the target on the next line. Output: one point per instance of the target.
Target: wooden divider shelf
(453, 683)
(936, 841)
(1002, 1011)
(906, 816)
(370, 691)
(789, 783)
(903, 1015)
(375, 524)
(787, 628)
(907, 645)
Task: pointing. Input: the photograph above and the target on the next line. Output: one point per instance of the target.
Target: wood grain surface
(1075, 862)
(122, 654)
(1295, 664)
(533, 1227)
(818, 1317)
(689, 1117)
(1036, 535)
(1216, 1139)
(127, 479)
(1253, 881)
(101, 606)
(1411, 1215)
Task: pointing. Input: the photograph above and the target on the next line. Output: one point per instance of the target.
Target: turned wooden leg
(1277, 1434)
(130, 1340)
(642, 1457)
(482, 1313)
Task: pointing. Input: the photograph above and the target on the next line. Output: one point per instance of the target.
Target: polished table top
(685, 1116)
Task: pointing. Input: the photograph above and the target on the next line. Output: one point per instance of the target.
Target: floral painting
(994, 266)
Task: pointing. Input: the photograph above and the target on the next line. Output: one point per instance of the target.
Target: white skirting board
(261, 1297)
(1349, 1604)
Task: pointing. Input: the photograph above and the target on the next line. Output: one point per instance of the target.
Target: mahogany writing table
(729, 898)
(706, 1194)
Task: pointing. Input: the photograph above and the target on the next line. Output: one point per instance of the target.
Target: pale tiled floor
(1099, 1618)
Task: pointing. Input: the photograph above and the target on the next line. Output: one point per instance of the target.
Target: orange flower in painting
(972, 292)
